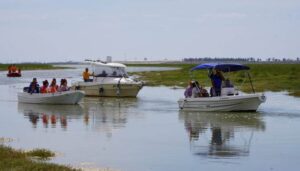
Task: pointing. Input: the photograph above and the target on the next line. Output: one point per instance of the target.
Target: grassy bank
(266, 77)
(11, 159)
(3, 67)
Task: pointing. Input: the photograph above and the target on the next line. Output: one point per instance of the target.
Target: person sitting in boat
(216, 80)
(188, 90)
(64, 85)
(9, 69)
(103, 74)
(45, 88)
(53, 82)
(86, 75)
(203, 92)
(196, 89)
(53, 87)
(13, 68)
(34, 86)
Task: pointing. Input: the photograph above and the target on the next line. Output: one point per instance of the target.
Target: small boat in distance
(109, 80)
(14, 74)
(229, 99)
(13, 71)
(61, 98)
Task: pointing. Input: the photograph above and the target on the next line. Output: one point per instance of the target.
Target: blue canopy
(221, 67)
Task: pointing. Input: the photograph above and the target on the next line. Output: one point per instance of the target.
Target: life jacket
(44, 89)
(53, 89)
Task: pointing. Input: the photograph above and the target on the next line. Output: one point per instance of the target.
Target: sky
(64, 30)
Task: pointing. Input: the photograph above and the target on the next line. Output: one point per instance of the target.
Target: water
(150, 133)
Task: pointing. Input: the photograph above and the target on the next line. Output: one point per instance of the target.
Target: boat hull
(67, 97)
(14, 74)
(249, 102)
(109, 90)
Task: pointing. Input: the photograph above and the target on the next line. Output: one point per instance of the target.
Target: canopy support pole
(249, 76)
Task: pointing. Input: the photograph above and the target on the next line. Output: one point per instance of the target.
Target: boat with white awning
(109, 80)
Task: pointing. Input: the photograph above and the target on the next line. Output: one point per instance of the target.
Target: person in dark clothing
(216, 80)
(34, 87)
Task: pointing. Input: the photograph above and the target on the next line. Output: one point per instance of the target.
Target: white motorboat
(246, 102)
(110, 80)
(65, 97)
(230, 100)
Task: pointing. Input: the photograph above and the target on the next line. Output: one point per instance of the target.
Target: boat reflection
(108, 114)
(50, 114)
(102, 115)
(221, 134)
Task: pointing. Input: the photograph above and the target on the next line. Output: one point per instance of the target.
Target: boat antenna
(249, 76)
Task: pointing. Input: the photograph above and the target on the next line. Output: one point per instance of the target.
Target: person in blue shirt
(216, 80)
(34, 87)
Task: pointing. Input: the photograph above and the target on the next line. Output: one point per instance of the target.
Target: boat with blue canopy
(229, 98)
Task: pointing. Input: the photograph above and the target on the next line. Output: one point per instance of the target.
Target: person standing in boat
(34, 87)
(86, 75)
(216, 80)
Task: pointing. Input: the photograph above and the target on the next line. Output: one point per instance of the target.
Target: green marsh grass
(29, 66)
(17, 160)
(265, 77)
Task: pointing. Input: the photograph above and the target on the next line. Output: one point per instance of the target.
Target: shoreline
(31, 67)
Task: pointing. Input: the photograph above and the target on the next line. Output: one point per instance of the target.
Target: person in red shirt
(44, 88)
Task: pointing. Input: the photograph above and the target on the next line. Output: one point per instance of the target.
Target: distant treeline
(241, 60)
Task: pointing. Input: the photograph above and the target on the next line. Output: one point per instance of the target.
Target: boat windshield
(101, 71)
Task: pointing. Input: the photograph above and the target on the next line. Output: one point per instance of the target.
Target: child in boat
(188, 90)
(45, 88)
(53, 87)
(34, 86)
(64, 85)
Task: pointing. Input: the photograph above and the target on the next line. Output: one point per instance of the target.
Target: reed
(12, 159)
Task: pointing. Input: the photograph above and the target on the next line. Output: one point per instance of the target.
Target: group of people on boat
(218, 82)
(13, 69)
(46, 88)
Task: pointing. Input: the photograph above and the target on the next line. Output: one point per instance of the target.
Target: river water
(149, 132)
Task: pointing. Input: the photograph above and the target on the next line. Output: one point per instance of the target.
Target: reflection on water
(100, 114)
(107, 114)
(50, 114)
(221, 135)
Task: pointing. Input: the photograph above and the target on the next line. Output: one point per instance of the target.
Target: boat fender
(263, 98)
(119, 87)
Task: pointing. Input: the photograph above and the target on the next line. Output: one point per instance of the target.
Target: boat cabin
(109, 69)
